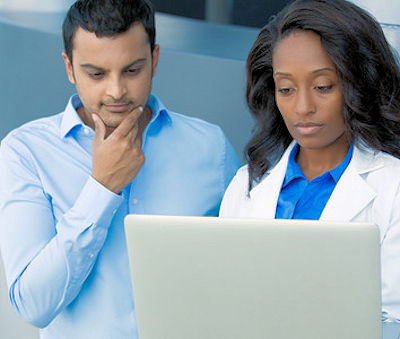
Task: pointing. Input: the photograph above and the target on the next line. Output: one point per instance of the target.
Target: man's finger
(128, 123)
(100, 130)
(132, 135)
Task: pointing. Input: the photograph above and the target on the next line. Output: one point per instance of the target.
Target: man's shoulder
(38, 128)
(194, 126)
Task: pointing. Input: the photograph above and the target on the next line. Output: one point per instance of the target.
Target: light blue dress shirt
(300, 199)
(61, 232)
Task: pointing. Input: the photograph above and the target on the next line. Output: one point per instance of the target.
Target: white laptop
(217, 278)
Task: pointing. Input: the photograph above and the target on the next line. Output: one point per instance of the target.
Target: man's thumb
(99, 128)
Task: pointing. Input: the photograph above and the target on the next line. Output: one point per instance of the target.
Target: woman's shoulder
(390, 160)
(378, 168)
(236, 193)
(390, 169)
(243, 173)
(380, 160)
(240, 181)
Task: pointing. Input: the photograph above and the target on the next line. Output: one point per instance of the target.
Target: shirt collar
(71, 117)
(294, 171)
(337, 172)
(157, 109)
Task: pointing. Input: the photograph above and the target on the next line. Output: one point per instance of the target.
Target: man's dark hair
(107, 18)
(368, 72)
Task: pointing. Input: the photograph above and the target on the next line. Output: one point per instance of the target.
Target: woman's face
(307, 91)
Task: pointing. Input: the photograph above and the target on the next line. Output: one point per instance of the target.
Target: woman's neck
(314, 162)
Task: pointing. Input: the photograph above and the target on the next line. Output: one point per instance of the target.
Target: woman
(324, 87)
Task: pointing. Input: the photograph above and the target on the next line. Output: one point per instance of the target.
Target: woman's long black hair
(368, 72)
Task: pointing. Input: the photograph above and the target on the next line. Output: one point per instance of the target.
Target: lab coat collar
(339, 207)
(265, 194)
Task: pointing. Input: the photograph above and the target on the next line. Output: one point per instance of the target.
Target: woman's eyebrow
(324, 69)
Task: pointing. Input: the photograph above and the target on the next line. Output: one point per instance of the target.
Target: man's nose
(116, 87)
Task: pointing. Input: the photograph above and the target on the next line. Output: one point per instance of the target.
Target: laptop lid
(204, 277)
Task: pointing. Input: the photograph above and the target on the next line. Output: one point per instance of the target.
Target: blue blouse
(300, 199)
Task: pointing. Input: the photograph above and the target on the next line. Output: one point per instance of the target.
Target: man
(68, 181)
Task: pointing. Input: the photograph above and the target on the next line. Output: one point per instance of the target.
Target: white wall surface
(386, 11)
(36, 5)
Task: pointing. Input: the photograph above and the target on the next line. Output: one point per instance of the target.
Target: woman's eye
(323, 89)
(285, 91)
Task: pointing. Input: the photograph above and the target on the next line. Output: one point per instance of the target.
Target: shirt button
(91, 255)
(135, 201)
(86, 131)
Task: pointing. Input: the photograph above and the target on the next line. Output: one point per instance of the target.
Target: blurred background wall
(238, 12)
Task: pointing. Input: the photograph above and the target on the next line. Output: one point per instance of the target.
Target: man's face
(112, 75)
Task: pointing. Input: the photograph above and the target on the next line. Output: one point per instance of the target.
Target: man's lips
(117, 108)
(308, 128)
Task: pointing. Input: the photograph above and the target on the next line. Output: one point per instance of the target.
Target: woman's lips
(308, 128)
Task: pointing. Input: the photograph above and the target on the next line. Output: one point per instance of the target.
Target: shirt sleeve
(46, 262)
(231, 162)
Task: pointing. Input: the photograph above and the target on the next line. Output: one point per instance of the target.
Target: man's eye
(131, 71)
(95, 75)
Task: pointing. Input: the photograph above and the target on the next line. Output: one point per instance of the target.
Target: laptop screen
(202, 277)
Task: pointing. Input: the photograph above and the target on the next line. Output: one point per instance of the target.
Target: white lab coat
(368, 191)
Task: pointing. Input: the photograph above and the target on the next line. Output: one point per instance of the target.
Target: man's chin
(111, 126)
(110, 129)
(112, 123)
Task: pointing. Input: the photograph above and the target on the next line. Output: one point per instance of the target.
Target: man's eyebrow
(125, 67)
(91, 66)
(138, 61)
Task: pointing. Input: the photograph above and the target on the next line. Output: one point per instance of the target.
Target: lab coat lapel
(350, 196)
(264, 196)
(352, 193)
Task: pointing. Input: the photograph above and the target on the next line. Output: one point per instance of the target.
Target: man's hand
(118, 158)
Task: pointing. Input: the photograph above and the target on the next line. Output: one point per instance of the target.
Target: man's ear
(156, 54)
(68, 68)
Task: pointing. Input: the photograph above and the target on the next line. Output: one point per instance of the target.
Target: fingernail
(140, 108)
(94, 117)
